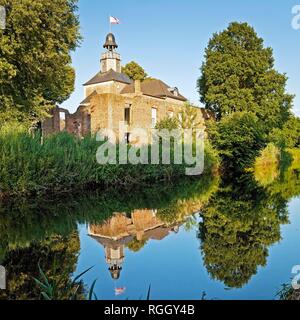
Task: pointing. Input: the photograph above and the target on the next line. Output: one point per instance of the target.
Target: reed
(30, 165)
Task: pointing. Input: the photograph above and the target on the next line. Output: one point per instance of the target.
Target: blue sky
(168, 37)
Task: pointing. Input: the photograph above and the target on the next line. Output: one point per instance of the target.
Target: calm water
(234, 240)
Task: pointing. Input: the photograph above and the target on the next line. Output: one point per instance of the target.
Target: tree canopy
(238, 75)
(238, 138)
(35, 61)
(289, 135)
(134, 71)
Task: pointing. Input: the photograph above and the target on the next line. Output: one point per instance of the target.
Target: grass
(62, 163)
(288, 293)
(73, 291)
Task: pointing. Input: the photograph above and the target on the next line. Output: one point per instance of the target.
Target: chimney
(137, 87)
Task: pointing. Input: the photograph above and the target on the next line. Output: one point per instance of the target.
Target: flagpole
(109, 24)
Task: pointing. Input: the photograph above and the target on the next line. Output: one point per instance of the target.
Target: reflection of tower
(114, 248)
(121, 231)
(115, 258)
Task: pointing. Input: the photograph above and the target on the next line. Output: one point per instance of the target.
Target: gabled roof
(155, 88)
(110, 75)
(88, 98)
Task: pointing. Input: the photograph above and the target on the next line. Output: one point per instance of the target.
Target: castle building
(111, 98)
(121, 230)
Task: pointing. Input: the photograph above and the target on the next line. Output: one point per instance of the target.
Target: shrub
(167, 123)
(288, 136)
(266, 167)
(63, 162)
(238, 138)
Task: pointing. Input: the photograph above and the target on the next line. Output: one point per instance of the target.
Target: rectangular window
(154, 117)
(127, 137)
(171, 114)
(62, 121)
(127, 115)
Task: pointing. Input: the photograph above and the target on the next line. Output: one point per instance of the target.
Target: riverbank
(272, 162)
(62, 163)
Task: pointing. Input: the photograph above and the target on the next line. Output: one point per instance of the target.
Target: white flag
(114, 20)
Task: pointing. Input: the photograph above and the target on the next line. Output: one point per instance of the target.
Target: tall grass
(62, 162)
(267, 165)
(295, 154)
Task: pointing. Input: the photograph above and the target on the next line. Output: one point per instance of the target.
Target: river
(197, 239)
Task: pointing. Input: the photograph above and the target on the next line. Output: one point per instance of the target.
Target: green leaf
(92, 290)
(81, 274)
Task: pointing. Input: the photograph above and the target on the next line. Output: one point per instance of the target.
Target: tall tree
(134, 71)
(35, 61)
(238, 75)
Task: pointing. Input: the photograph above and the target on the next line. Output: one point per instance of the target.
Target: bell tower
(110, 59)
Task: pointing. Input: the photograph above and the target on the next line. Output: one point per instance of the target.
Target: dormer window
(174, 91)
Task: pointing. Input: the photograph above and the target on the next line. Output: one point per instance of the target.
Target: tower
(110, 59)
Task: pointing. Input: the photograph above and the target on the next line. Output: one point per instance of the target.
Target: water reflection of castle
(120, 230)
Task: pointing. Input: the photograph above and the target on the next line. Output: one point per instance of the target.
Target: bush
(63, 162)
(288, 136)
(266, 167)
(269, 155)
(168, 123)
(238, 138)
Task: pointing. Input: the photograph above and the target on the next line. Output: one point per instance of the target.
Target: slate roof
(110, 75)
(155, 88)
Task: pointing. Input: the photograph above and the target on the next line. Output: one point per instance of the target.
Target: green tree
(289, 135)
(35, 61)
(167, 123)
(134, 71)
(188, 117)
(238, 138)
(238, 75)
(136, 245)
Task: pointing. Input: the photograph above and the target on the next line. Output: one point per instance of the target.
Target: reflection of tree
(56, 255)
(194, 196)
(24, 222)
(42, 232)
(287, 186)
(239, 224)
(136, 245)
(285, 181)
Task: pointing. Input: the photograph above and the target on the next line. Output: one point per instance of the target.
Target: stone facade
(108, 111)
(78, 123)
